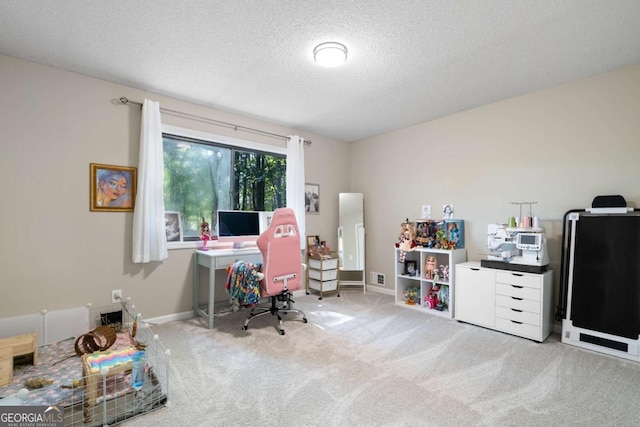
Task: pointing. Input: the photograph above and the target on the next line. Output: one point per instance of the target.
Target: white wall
(560, 147)
(54, 252)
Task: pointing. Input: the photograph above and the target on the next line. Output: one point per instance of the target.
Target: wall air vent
(376, 278)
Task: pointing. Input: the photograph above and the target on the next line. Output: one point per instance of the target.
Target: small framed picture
(173, 226)
(410, 268)
(312, 243)
(447, 211)
(426, 212)
(112, 188)
(312, 198)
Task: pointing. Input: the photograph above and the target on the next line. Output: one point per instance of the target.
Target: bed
(94, 388)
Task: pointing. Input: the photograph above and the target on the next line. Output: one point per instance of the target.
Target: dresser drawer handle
(516, 274)
(518, 299)
(475, 269)
(519, 323)
(517, 287)
(519, 311)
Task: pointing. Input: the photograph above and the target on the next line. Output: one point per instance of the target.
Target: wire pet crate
(95, 389)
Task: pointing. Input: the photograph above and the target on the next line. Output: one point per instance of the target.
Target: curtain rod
(126, 101)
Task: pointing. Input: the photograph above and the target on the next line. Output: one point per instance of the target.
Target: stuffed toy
(445, 272)
(431, 300)
(406, 241)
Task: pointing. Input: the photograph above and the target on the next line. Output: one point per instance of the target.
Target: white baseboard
(189, 314)
(380, 290)
(170, 318)
(351, 283)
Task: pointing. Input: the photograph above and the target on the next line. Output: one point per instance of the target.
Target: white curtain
(295, 182)
(149, 239)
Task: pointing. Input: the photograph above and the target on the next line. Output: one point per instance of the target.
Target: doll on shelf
(431, 300)
(430, 267)
(445, 272)
(205, 234)
(406, 241)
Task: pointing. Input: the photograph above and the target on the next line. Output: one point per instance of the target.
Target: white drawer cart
(413, 289)
(323, 273)
(507, 301)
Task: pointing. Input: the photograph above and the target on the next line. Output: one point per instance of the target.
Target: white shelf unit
(443, 257)
(507, 301)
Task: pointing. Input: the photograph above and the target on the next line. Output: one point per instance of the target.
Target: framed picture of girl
(112, 188)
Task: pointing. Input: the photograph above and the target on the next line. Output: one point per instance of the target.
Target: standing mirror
(351, 238)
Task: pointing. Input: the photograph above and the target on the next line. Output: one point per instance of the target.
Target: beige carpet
(362, 361)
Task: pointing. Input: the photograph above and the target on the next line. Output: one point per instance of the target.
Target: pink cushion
(281, 255)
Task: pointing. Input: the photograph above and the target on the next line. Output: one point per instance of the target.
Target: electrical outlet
(116, 295)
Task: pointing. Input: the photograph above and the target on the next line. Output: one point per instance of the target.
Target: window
(205, 173)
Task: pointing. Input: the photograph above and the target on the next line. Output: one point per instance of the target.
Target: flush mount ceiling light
(330, 54)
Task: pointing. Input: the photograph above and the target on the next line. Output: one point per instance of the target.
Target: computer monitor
(238, 227)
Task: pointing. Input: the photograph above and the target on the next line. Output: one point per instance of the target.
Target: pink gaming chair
(281, 266)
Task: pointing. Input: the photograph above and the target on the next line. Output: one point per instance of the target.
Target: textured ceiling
(409, 60)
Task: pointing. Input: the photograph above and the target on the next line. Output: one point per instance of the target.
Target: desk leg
(212, 294)
(196, 284)
(196, 290)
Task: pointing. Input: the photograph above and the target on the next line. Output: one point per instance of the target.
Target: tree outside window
(201, 178)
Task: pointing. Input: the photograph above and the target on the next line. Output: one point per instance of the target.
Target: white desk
(216, 259)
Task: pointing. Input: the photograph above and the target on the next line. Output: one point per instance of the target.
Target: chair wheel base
(277, 310)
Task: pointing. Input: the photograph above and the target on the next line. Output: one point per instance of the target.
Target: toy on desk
(205, 234)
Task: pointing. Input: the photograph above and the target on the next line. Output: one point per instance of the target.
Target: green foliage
(199, 181)
(260, 181)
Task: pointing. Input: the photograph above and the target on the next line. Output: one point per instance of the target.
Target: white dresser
(323, 273)
(508, 301)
